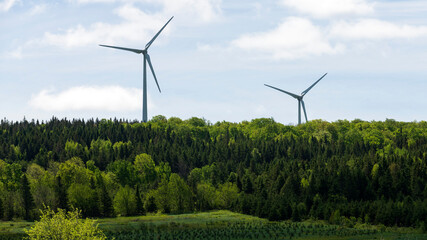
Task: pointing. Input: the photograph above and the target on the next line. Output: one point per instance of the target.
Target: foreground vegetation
(64, 225)
(345, 173)
(206, 225)
(229, 225)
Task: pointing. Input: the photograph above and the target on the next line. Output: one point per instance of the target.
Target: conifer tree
(27, 197)
(150, 204)
(61, 194)
(107, 203)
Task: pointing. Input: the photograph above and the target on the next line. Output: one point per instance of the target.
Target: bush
(64, 225)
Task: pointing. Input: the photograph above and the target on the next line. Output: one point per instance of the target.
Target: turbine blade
(155, 36)
(152, 70)
(305, 113)
(308, 89)
(122, 48)
(278, 89)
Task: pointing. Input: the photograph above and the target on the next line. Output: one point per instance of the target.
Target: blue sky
(213, 59)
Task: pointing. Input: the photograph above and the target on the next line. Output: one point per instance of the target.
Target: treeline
(344, 172)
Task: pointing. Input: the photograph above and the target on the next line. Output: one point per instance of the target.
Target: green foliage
(106, 203)
(372, 171)
(125, 202)
(304, 183)
(27, 197)
(229, 225)
(335, 217)
(145, 166)
(82, 196)
(172, 195)
(73, 171)
(159, 118)
(10, 175)
(163, 170)
(161, 195)
(195, 177)
(150, 203)
(375, 170)
(60, 194)
(180, 195)
(122, 150)
(226, 195)
(101, 151)
(124, 171)
(139, 203)
(197, 122)
(64, 225)
(15, 153)
(74, 149)
(42, 186)
(206, 196)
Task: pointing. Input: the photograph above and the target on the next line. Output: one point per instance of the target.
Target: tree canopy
(372, 172)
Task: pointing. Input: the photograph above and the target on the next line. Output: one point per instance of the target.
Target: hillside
(343, 172)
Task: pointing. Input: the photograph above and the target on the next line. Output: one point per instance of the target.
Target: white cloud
(328, 8)
(137, 26)
(198, 10)
(5, 5)
(105, 98)
(193, 10)
(294, 38)
(373, 29)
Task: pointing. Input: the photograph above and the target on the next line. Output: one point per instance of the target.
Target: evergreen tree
(27, 197)
(106, 202)
(150, 204)
(61, 194)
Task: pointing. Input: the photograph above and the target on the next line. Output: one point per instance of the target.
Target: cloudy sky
(213, 59)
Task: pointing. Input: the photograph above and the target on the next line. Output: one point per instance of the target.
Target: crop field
(229, 225)
(225, 225)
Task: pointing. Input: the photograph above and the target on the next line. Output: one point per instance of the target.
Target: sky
(213, 59)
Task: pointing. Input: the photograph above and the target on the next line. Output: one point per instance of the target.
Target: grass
(13, 229)
(225, 225)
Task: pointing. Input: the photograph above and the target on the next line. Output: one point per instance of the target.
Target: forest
(344, 172)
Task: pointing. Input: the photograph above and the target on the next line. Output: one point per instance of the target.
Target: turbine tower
(299, 98)
(146, 58)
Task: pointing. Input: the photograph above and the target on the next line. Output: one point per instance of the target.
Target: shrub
(64, 225)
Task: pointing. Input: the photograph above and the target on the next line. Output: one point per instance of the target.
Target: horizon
(207, 121)
(213, 59)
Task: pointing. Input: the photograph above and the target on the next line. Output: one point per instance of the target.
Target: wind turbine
(146, 58)
(299, 98)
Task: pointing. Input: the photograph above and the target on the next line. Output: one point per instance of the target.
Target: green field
(225, 225)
